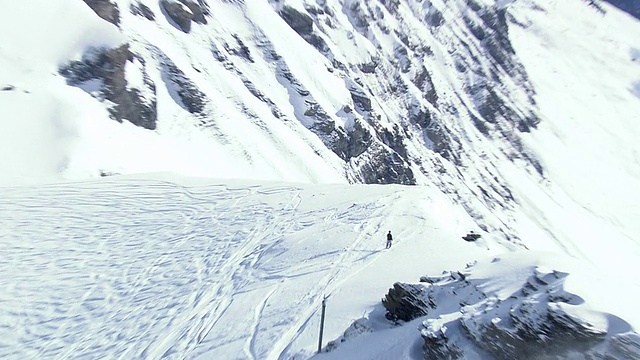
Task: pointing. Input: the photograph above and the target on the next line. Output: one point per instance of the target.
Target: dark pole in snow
(324, 306)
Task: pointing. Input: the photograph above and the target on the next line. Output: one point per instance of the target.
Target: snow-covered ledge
(520, 306)
(516, 306)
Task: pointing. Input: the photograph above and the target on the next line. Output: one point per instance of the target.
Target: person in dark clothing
(389, 239)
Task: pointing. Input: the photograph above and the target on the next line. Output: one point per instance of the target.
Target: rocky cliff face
(537, 319)
(399, 91)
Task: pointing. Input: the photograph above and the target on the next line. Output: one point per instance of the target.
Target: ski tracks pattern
(151, 269)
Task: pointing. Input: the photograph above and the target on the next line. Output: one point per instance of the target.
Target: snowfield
(161, 266)
(182, 268)
(161, 263)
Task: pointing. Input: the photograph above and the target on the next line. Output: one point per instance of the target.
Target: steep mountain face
(385, 91)
(396, 92)
(388, 120)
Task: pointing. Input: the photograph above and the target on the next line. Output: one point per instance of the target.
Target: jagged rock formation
(539, 320)
(400, 91)
(102, 73)
(183, 12)
(141, 9)
(407, 302)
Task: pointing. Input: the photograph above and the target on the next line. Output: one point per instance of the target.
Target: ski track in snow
(147, 269)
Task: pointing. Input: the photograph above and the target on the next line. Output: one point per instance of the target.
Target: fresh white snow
(144, 267)
(153, 265)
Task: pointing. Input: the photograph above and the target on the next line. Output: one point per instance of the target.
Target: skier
(389, 240)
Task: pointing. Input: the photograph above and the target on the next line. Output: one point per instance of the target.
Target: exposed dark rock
(625, 346)
(391, 5)
(197, 10)
(369, 67)
(460, 65)
(241, 50)
(299, 22)
(106, 9)
(476, 29)
(420, 117)
(423, 82)
(361, 100)
(393, 139)
(296, 84)
(527, 123)
(434, 17)
(384, 167)
(263, 97)
(401, 56)
(355, 143)
(108, 66)
(471, 236)
(317, 42)
(438, 346)
(442, 141)
(8, 88)
(491, 105)
(555, 335)
(497, 41)
(530, 324)
(473, 5)
(314, 10)
(141, 9)
(357, 16)
(302, 24)
(179, 14)
(323, 122)
(188, 94)
(407, 302)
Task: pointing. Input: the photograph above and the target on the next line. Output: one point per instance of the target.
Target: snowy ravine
(179, 268)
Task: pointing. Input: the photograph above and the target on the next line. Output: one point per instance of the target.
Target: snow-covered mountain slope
(134, 267)
(183, 268)
(523, 113)
(470, 95)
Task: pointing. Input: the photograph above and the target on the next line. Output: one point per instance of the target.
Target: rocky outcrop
(540, 320)
(102, 74)
(106, 9)
(178, 13)
(302, 24)
(437, 344)
(407, 302)
(141, 9)
(298, 21)
(183, 90)
(183, 12)
(360, 99)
